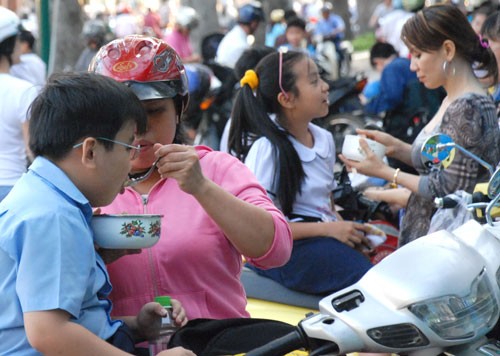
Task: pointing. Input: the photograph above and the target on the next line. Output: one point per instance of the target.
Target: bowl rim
(128, 216)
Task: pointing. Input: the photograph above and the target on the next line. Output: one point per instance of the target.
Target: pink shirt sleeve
(239, 180)
(280, 250)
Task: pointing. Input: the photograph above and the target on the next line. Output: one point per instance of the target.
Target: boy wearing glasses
(54, 285)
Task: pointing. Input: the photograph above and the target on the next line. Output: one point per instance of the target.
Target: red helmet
(149, 66)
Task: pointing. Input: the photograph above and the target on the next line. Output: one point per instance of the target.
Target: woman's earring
(445, 68)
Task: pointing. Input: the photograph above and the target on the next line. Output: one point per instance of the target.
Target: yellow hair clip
(251, 79)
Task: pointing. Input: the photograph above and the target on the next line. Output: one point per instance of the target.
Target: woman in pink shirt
(186, 20)
(214, 210)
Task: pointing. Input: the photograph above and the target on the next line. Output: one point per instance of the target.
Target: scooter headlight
(454, 317)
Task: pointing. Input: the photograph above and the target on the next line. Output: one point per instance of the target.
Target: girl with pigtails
(294, 159)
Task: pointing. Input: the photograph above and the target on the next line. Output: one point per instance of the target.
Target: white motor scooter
(439, 294)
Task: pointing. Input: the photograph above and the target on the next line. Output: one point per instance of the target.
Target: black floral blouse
(472, 123)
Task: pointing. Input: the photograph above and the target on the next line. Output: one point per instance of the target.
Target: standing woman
(15, 97)
(294, 160)
(445, 51)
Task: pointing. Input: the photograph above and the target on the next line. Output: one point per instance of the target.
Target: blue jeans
(319, 265)
(4, 190)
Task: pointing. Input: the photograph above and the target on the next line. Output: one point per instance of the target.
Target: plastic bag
(451, 218)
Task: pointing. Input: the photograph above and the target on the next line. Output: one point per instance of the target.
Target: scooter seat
(264, 288)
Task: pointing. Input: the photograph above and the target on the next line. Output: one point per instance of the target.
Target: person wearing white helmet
(186, 20)
(235, 42)
(15, 97)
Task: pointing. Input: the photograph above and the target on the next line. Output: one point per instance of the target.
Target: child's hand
(148, 321)
(176, 351)
(149, 318)
(178, 313)
(351, 233)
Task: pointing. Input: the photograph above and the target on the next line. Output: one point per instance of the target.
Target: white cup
(353, 151)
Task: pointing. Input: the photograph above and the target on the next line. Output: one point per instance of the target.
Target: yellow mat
(275, 311)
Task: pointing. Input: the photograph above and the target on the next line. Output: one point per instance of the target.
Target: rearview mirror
(494, 184)
(438, 150)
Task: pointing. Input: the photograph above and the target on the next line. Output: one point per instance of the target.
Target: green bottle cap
(164, 300)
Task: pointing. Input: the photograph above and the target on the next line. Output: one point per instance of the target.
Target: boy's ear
(88, 151)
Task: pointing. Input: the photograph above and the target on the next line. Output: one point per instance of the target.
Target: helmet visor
(161, 90)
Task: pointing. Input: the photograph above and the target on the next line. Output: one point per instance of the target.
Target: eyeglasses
(134, 150)
(280, 69)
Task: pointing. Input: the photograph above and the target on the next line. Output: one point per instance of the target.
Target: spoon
(134, 180)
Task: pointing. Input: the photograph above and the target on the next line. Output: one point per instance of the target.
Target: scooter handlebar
(285, 344)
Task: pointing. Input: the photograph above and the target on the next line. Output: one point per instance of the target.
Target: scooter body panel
(436, 265)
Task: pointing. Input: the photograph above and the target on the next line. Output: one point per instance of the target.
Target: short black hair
(27, 37)
(381, 50)
(7, 48)
(296, 22)
(289, 13)
(72, 106)
(249, 59)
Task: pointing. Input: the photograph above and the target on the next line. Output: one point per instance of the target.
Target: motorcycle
(328, 57)
(439, 294)
(209, 106)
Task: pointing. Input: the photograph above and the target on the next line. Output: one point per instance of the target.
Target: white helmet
(9, 23)
(186, 16)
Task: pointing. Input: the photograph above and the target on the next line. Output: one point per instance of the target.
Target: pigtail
(291, 175)
(247, 117)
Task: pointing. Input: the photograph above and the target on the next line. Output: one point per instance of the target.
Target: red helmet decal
(125, 66)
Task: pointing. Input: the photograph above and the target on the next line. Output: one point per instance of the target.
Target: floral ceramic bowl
(122, 231)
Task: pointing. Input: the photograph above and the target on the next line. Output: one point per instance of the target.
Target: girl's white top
(318, 163)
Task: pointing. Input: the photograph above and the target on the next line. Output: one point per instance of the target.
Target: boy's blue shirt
(47, 257)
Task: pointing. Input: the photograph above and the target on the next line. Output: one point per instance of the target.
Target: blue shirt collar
(55, 177)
